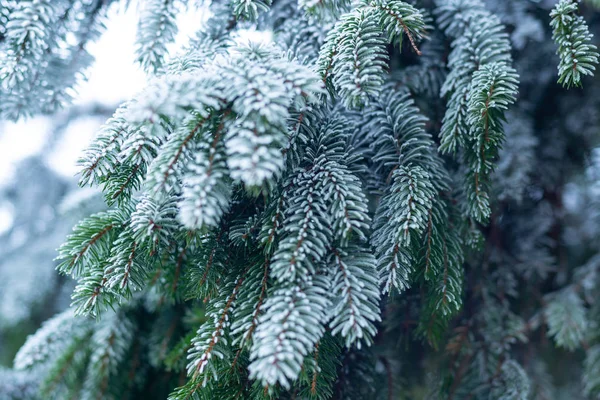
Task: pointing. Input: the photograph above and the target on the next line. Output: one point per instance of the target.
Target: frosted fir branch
(244, 232)
(94, 235)
(272, 222)
(65, 71)
(166, 170)
(358, 72)
(449, 285)
(206, 187)
(142, 144)
(27, 56)
(206, 261)
(288, 330)
(173, 96)
(396, 129)
(100, 158)
(154, 222)
(483, 42)
(494, 88)
(353, 58)
(348, 204)
(399, 144)
(306, 234)
(455, 16)
(44, 54)
(414, 194)
(28, 31)
(322, 136)
(92, 296)
(475, 114)
(127, 178)
(402, 217)
(266, 88)
(61, 380)
(127, 271)
(253, 141)
(250, 304)
(53, 337)
(301, 38)
(591, 383)
(578, 56)
(398, 19)
(320, 369)
(324, 10)
(441, 258)
(210, 347)
(156, 30)
(355, 290)
(454, 124)
(250, 9)
(111, 343)
(251, 138)
(567, 319)
(302, 83)
(203, 49)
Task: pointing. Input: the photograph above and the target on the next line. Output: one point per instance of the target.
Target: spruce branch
(289, 329)
(353, 59)
(578, 56)
(355, 295)
(156, 29)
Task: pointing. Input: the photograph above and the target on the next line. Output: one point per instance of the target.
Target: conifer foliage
(578, 56)
(281, 215)
(44, 50)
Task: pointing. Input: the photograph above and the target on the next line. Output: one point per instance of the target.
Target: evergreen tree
(390, 199)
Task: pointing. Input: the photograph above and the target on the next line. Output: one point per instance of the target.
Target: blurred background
(40, 200)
